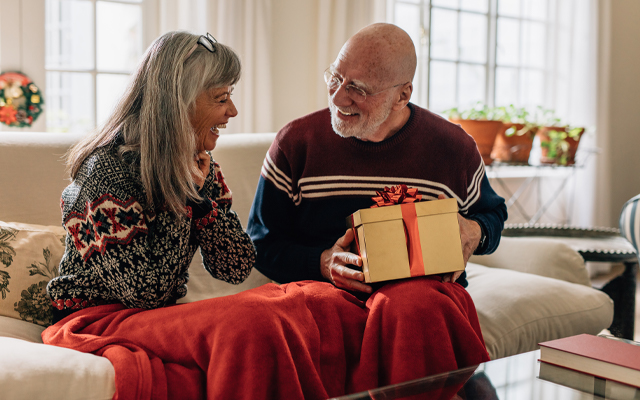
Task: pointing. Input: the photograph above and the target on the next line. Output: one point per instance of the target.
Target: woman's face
(213, 110)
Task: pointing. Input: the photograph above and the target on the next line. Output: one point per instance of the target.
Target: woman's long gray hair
(153, 115)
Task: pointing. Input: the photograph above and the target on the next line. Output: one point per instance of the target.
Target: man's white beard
(362, 129)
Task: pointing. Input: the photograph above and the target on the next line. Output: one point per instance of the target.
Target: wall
(623, 122)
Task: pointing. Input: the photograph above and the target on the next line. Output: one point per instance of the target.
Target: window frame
(422, 90)
(95, 71)
(22, 45)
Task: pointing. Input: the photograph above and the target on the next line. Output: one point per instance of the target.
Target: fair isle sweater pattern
(120, 251)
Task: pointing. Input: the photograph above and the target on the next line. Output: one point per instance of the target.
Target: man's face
(351, 119)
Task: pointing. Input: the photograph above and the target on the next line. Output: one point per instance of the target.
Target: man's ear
(404, 97)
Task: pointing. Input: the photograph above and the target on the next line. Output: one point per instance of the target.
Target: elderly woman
(145, 192)
(145, 195)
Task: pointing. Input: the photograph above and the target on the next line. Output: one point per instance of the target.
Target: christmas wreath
(20, 100)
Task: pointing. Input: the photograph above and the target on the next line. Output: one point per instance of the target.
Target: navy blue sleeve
(281, 256)
(490, 212)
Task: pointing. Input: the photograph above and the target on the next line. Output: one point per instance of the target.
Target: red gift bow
(396, 195)
(405, 196)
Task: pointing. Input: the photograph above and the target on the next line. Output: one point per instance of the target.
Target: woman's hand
(203, 162)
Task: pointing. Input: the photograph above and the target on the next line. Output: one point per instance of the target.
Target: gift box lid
(387, 213)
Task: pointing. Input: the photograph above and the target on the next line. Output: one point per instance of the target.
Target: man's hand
(203, 162)
(334, 265)
(470, 234)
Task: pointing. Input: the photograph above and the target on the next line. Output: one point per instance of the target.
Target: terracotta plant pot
(483, 132)
(513, 149)
(543, 134)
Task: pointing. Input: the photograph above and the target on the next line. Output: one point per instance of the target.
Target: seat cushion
(18, 329)
(38, 371)
(518, 310)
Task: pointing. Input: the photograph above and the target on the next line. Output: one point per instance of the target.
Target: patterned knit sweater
(118, 250)
(312, 179)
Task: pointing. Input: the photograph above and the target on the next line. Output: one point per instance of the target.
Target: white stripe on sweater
(347, 185)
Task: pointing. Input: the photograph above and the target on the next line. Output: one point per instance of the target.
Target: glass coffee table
(511, 378)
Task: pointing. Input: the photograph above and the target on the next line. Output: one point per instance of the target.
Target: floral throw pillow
(29, 258)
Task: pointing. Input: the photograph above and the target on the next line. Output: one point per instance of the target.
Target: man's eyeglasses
(207, 41)
(356, 93)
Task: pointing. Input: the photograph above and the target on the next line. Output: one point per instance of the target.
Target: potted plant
(558, 142)
(482, 123)
(514, 141)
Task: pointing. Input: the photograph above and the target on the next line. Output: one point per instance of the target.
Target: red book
(606, 358)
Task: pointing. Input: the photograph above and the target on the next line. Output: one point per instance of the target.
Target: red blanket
(300, 340)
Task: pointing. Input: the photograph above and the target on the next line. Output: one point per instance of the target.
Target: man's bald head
(379, 61)
(387, 52)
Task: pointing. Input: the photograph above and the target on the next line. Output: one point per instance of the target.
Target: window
(494, 51)
(91, 48)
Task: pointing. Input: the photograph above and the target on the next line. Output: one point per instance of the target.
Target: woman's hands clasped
(203, 163)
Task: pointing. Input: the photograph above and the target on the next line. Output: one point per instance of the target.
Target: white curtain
(575, 99)
(338, 20)
(245, 26)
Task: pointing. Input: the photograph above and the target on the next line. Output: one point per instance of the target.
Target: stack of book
(602, 365)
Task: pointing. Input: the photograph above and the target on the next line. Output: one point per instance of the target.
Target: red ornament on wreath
(20, 100)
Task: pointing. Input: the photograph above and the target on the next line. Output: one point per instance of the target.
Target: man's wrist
(483, 238)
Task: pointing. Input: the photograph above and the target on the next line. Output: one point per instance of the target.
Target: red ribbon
(396, 195)
(412, 238)
(406, 197)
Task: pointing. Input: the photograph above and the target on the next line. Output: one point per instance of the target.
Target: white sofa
(530, 290)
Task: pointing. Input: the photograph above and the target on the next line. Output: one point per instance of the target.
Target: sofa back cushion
(33, 175)
(240, 156)
(543, 256)
(31, 190)
(29, 258)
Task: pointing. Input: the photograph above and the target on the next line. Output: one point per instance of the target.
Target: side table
(598, 245)
(532, 175)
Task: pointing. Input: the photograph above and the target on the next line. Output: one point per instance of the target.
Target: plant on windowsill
(482, 123)
(558, 142)
(514, 141)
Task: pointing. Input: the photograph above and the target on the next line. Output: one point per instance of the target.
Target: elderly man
(328, 164)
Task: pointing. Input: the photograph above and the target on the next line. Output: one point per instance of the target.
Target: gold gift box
(383, 245)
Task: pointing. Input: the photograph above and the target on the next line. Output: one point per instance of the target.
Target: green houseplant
(514, 141)
(482, 123)
(558, 142)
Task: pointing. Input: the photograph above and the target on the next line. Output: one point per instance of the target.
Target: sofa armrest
(540, 256)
